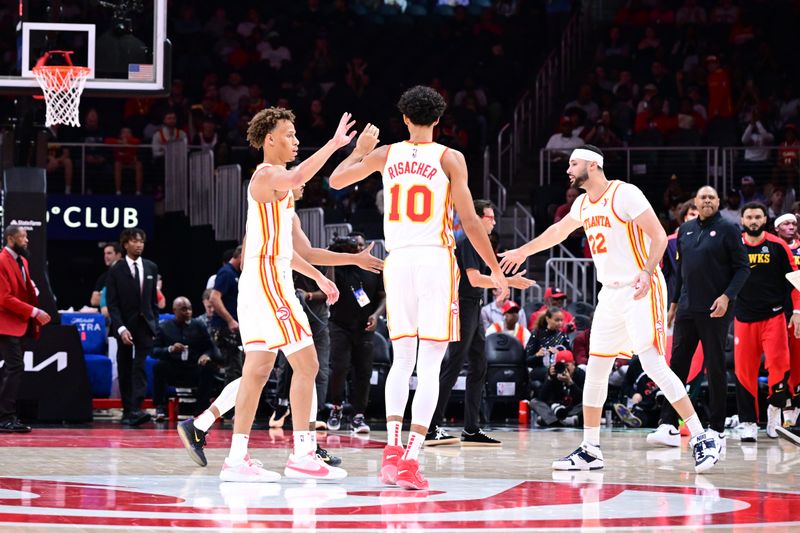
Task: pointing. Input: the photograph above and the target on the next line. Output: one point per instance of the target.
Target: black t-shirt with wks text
(467, 258)
(764, 293)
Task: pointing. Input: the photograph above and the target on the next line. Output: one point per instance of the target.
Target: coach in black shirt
(712, 267)
(472, 343)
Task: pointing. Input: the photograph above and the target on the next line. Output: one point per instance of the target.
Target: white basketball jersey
(269, 228)
(417, 207)
(619, 247)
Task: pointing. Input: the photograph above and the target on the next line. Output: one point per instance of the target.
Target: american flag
(140, 72)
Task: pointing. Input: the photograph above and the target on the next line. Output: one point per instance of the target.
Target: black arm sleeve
(678, 274)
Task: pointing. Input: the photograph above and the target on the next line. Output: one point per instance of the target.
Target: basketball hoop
(62, 86)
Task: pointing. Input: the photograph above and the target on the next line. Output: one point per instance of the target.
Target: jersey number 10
(418, 203)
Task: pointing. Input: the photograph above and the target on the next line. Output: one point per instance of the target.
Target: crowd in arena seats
(319, 59)
(694, 73)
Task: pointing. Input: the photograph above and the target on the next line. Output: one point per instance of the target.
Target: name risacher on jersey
(411, 167)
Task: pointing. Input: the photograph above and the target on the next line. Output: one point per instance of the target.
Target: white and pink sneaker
(310, 466)
(250, 471)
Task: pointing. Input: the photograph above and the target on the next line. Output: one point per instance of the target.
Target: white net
(62, 87)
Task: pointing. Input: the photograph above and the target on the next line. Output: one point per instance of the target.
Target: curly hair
(422, 105)
(264, 122)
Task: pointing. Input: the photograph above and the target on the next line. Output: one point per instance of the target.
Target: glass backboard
(123, 42)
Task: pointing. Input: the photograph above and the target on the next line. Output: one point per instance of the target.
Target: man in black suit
(131, 296)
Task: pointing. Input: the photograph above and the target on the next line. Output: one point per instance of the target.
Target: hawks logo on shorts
(270, 315)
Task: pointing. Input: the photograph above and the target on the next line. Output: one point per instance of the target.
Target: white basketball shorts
(623, 326)
(421, 284)
(271, 317)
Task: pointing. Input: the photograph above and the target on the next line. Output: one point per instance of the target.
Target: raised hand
(343, 136)
(368, 139)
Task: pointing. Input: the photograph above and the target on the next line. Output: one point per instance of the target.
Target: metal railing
(337, 230)
(176, 177)
(646, 166)
(313, 222)
(524, 224)
(763, 163)
(201, 186)
(243, 205)
(227, 219)
(574, 275)
(505, 155)
(379, 250)
(562, 62)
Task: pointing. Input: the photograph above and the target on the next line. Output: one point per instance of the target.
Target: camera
(559, 410)
(344, 245)
(560, 367)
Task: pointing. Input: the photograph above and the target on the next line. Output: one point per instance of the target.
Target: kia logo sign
(59, 359)
(96, 217)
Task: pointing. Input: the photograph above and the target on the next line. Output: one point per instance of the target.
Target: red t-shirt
(126, 156)
(720, 101)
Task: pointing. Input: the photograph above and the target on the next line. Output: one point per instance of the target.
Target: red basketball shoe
(388, 472)
(409, 476)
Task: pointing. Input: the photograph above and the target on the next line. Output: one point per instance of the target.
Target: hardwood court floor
(108, 478)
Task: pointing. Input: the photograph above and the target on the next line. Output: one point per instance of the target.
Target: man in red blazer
(19, 317)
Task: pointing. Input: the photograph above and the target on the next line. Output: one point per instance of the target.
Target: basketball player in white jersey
(627, 242)
(193, 431)
(422, 180)
(270, 315)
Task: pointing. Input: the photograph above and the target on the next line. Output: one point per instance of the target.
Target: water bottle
(609, 420)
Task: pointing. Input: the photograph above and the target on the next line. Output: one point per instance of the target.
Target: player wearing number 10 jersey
(627, 242)
(422, 182)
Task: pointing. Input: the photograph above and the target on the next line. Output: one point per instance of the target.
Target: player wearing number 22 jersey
(627, 243)
(422, 182)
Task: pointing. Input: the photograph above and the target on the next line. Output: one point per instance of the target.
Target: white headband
(784, 218)
(587, 155)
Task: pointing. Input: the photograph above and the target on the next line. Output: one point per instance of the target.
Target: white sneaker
(773, 421)
(748, 432)
(665, 435)
(249, 471)
(586, 457)
(790, 417)
(723, 441)
(706, 450)
(310, 466)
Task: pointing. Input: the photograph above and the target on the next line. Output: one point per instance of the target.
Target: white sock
(238, 448)
(694, 425)
(591, 435)
(205, 420)
(394, 435)
(224, 403)
(415, 442)
(305, 442)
